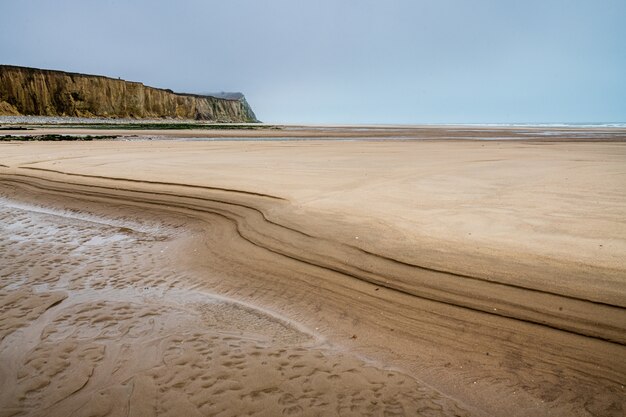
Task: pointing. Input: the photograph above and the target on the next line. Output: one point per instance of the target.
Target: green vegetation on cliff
(38, 92)
(53, 138)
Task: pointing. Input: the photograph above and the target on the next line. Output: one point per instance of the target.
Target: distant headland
(42, 92)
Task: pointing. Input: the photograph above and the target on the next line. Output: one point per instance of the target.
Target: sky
(346, 61)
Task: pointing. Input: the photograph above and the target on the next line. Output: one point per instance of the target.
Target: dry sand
(314, 277)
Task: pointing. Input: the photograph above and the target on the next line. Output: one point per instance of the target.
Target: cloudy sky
(346, 61)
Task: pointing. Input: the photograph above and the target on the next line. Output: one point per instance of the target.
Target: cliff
(32, 91)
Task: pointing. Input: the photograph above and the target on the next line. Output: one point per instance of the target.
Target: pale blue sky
(346, 61)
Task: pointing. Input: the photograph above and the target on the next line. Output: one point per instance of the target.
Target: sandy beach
(397, 271)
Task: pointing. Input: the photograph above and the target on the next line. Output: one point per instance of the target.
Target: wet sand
(269, 132)
(313, 278)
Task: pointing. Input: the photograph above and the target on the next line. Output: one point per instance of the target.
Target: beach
(341, 271)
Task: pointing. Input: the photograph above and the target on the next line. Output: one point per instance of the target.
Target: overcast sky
(346, 61)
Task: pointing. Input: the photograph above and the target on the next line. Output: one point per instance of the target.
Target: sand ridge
(544, 307)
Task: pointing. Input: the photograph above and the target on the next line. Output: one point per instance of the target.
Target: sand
(360, 277)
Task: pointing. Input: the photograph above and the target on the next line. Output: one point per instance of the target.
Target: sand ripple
(95, 321)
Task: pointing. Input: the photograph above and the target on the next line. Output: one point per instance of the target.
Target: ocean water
(548, 125)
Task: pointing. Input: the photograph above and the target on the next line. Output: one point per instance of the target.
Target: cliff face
(31, 91)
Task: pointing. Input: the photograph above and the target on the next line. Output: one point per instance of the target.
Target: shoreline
(321, 220)
(191, 130)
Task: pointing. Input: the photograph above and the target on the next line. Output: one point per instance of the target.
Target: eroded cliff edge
(40, 92)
